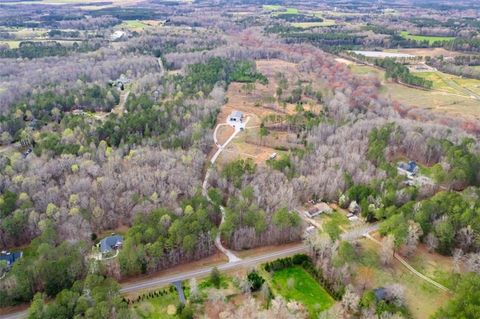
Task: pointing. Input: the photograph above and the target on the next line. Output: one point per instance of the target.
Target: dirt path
(413, 270)
(218, 242)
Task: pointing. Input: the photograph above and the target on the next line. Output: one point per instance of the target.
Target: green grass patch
(304, 289)
(157, 308)
(134, 24)
(430, 39)
(286, 11)
(272, 7)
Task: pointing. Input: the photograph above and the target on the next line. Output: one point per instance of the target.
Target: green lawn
(304, 290)
(272, 7)
(156, 308)
(134, 24)
(430, 39)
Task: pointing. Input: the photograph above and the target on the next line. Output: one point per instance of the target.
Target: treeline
(54, 33)
(448, 221)
(461, 66)
(162, 239)
(32, 50)
(399, 72)
(396, 71)
(297, 17)
(37, 109)
(94, 297)
(330, 41)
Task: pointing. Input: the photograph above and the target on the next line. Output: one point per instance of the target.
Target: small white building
(236, 117)
(118, 35)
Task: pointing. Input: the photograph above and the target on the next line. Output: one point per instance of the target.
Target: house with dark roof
(110, 243)
(318, 209)
(410, 168)
(10, 257)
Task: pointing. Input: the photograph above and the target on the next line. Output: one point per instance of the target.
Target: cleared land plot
(306, 25)
(451, 83)
(433, 52)
(16, 43)
(163, 307)
(456, 104)
(430, 39)
(64, 2)
(272, 7)
(381, 54)
(297, 284)
(422, 299)
(135, 24)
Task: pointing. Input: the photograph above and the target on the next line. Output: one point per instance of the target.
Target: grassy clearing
(285, 11)
(12, 44)
(307, 25)
(272, 7)
(430, 39)
(422, 299)
(158, 308)
(456, 100)
(295, 283)
(134, 24)
(452, 83)
(16, 43)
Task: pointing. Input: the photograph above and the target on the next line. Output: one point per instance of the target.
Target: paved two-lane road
(201, 272)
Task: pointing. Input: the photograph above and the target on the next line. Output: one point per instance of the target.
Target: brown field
(447, 100)
(257, 102)
(427, 52)
(223, 133)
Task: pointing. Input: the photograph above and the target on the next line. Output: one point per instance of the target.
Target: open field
(452, 83)
(422, 299)
(452, 100)
(283, 10)
(134, 25)
(16, 43)
(163, 307)
(430, 39)
(272, 7)
(381, 54)
(297, 284)
(433, 52)
(306, 25)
